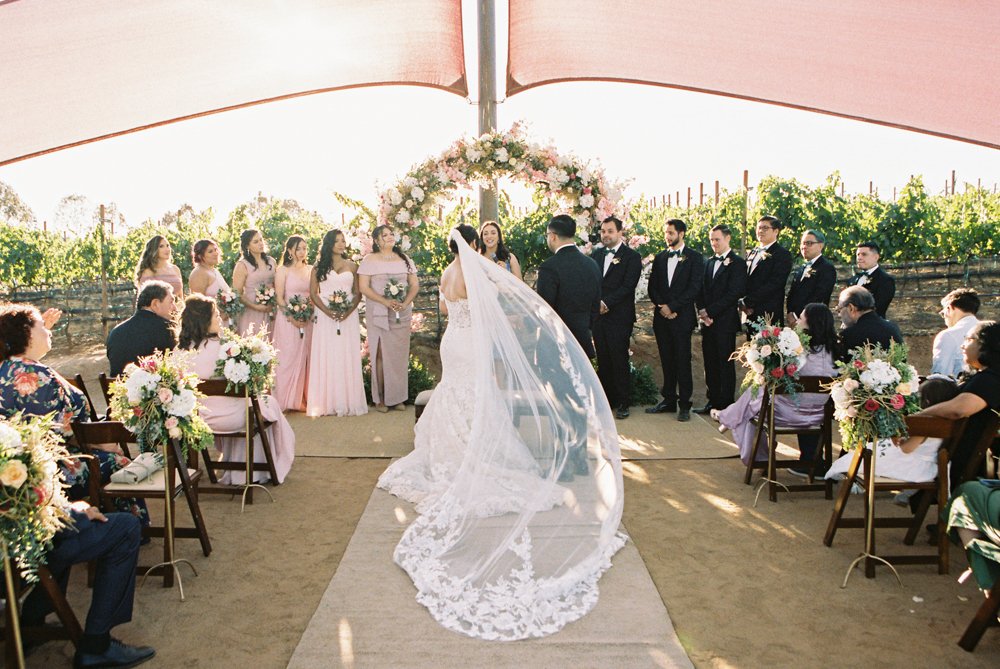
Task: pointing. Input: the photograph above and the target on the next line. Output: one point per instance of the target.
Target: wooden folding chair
(183, 481)
(765, 424)
(986, 616)
(70, 628)
(950, 432)
(257, 427)
(77, 382)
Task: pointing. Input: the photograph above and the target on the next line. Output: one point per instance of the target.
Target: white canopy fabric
(924, 65)
(75, 71)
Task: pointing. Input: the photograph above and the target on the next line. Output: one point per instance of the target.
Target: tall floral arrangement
(873, 394)
(157, 399)
(247, 362)
(32, 498)
(773, 357)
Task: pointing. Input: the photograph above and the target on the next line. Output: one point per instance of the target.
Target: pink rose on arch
(897, 402)
(587, 190)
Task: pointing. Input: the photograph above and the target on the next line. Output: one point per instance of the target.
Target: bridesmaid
(292, 278)
(388, 338)
(494, 248)
(201, 323)
(206, 278)
(155, 263)
(254, 268)
(336, 384)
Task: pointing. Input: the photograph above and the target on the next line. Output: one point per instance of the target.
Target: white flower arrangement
(246, 362)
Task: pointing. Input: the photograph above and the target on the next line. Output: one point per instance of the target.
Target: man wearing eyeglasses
(874, 278)
(862, 325)
(768, 267)
(958, 309)
(813, 281)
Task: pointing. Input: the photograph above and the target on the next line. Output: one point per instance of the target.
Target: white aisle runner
(369, 616)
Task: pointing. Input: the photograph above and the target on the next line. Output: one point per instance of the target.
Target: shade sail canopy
(73, 71)
(924, 65)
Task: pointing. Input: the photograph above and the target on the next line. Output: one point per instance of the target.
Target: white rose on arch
(417, 193)
(395, 196)
(587, 201)
(402, 216)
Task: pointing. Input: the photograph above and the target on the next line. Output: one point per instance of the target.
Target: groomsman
(621, 267)
(813, 281)
(723, 284)
(874, 278)
(673, 287)
(768, 267)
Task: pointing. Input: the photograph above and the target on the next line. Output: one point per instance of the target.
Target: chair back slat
(105, 382)
(217, 388)
(77, 382)
(102, 432)
(811, 384)
(934, 427)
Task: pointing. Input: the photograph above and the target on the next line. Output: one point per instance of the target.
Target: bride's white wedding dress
(515, 471)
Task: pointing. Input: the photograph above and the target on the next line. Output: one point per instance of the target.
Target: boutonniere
(807, 273)
(681, 258)
(725, 263)
(615, 261)
(764, 255)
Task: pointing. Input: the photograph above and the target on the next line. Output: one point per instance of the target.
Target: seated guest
(34, 389)
(805, 410)
(814, 280)
(149, 329)
(958, 309)
(861, 324)
(156, 265)
(113, 542)
(974, 524)
(201, 324)
(873, 278)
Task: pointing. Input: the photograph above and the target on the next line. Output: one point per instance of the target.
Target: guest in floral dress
(34, 389)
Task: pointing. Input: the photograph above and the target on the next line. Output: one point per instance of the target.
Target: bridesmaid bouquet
(266, 296)
(32, 499)
(246, 363)
(340, 303)
(874, 393)
(299, 308)
(394, 290)
(157, 400)
(229, 304)
(773, 357)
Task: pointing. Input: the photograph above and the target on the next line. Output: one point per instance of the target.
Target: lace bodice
(458, 313)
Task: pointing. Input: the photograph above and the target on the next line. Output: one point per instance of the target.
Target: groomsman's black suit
(766, 284)
(673, 336)
(571, 283)
(879, 284)
(723, 285)
(816, 286)
(613, 330)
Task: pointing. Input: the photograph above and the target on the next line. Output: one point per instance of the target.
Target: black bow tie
(719, 258)
(673, 254)
(860, 274)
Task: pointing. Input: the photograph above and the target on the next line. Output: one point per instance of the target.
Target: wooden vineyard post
(104, 276)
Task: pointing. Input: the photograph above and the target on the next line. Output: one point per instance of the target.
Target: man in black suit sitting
(722, 286)
(874, 278)
(768, 267)
(861, 324)
(570, 281)
(149, 329)
(673, 287)
(813, 281)
(621, 267)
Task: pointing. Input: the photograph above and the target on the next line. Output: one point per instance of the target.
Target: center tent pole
(487, 95)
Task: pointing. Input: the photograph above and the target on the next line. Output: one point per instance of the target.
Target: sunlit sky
(658, 139)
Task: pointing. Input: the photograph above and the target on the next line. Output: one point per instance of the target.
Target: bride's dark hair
(469, 234)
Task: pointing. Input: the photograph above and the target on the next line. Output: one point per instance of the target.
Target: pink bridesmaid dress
(228, 414)
(218, 283)
(168, 277)
(336, 385)
(293, 350)
(252, 317)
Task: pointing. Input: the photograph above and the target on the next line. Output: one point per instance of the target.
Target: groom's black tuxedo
(613, 329)
(765, 295)
(571, 283)
(722, 287)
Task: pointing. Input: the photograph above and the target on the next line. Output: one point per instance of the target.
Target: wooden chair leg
(60, 605)
(191, 495)
(942, 490)
(753, 453)
(920, 515)
(268, 456)
(209, 469)
(842, 497)
(868, 458)
(985, 616)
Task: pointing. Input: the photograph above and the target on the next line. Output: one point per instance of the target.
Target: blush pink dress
(168, 277)
(293, 350)
(228, 414)
(385, 332)
(264, 274)
(336, 385)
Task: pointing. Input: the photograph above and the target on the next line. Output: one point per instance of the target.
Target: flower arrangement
(265, 295)
(300, 309)
(340, 303)
(773, 357)
(873, 394)
(229, 303)
(394, 290)
(32, 499)
(246, 363)
(157, 400)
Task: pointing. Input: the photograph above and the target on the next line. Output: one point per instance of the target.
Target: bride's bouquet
(32, 498)
(394, 290)
(246, 363)
(773, 358)
(230, 304)
(300, 309)
(340, 302)
(157, 400)
(873, 394)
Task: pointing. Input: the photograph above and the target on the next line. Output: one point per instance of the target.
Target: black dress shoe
(704, 410)
(663, 407)
(117, 656)
(622, 412)
(684, 415)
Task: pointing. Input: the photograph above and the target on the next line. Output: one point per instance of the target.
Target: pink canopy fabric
(75, 71)
(924, 65)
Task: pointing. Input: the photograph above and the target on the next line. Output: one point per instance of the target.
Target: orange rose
(26, 383)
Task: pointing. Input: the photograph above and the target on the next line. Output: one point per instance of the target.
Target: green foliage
(418, 376)
(644, 390)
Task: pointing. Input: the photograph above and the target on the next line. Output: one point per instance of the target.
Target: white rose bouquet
(394, 290)
(873, 394)
(246, 362)
(32, 499)
(339, 303)
(157, 400)
(773, 358)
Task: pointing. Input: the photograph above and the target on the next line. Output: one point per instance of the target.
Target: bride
(512, 533)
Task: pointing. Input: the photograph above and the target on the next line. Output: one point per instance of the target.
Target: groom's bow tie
(719, 258)
(673, 254)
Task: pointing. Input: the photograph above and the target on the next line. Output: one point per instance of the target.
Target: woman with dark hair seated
(805, 410)
(34, 389)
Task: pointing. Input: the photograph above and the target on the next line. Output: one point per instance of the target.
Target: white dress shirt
(610, 256)
(672, 264)
(947, 357)
(757, 257)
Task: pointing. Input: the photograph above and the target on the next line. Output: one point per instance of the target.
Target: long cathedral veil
(527, 565)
